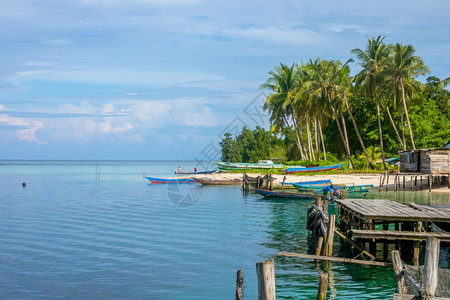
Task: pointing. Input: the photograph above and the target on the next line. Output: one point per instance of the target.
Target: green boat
(345, 188)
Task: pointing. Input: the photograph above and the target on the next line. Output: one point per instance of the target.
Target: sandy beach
(348, 179)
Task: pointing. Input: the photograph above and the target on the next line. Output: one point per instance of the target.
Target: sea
(100, 230)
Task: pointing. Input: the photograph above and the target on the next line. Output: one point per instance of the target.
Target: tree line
(317, 108)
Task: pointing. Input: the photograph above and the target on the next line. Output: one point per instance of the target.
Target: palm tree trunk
(407, 116)
(340, 131)
(380, 132)
(294, 136)
(357, 133)
(316, 139)
(309, 137)
(403, 128)
(395, 128)
(344, 127)
(321, 139)
(299, 133)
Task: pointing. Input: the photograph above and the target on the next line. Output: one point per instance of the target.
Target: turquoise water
(73, 233)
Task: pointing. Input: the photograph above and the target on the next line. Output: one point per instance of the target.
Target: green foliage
(251, 146)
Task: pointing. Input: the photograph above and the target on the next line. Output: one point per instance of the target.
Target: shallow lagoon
(74, 233)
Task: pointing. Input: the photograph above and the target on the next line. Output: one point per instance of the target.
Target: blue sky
(153, 79)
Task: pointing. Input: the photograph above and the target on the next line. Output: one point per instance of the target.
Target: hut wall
(435, 161)
(409, 161)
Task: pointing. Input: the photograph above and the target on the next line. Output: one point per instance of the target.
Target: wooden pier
(372, 221)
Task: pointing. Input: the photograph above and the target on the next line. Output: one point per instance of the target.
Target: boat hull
(196, 173)
(154, 180)
(218, 182)
(313, 169)
(345, 188)
(282, 194)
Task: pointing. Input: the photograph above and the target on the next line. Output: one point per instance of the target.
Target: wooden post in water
(412, 184)
(239, 284)
(421, 182)
(319, 245)
(328, 250)
(398, 271)
(395, 182)
(325, 206)
(416, 253)
(387, 181)
(431, 265)
(430, 182)
(323, 286)
(265, 272)
(404, 184)
(380, 187)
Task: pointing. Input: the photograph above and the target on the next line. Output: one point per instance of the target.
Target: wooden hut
(426, 161)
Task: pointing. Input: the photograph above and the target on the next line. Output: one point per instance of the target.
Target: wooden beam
(354, 244)
(398, 271)
(338, 259)
(413, 297)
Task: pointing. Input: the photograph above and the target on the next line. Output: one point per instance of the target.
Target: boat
(195, 173)
(206, 181)
(170, 180)
(345, 188)
(313, 169)
(315, 182)
(284, 194)
(262, 164)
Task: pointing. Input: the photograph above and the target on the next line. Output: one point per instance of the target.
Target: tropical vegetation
(318, 109)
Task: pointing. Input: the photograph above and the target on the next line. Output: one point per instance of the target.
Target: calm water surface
(74, 234)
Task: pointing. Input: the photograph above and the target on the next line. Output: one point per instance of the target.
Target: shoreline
(348, 179)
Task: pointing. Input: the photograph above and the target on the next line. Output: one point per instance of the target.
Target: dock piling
(239, 284)
(265, 272)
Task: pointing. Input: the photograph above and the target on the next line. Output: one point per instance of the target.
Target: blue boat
(345, 188)
(316, 182)
(169, 180)
(283, 194)
(313, 169)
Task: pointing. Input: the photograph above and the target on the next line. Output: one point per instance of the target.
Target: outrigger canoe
(205, 181)
(344, 188)
(284, 194)
(313, 169)
(168, 180)
(316, 182)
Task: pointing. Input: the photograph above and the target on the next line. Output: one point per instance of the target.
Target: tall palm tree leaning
(373, 61)
(284, 83)
(403, 67)
(343, 90)
(324, 78)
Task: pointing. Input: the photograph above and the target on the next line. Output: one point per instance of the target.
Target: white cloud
(56, 42)
(28, 128)
(282, 35)
(205, 118)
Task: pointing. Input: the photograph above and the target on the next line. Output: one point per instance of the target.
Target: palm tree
(284, 83)
(323, 80)
(344, 91)
(403, 67)
(373, 60)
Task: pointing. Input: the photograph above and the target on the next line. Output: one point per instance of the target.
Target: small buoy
(24, 184)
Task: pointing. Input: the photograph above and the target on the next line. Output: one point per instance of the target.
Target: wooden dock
(376, 220)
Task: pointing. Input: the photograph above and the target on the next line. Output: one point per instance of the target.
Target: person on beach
(179, 169)
(195, 170)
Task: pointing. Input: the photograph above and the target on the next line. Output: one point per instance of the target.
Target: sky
(154, 79)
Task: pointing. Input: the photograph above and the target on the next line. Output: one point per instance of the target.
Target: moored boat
(315, 182)
(262, 164)
(345, 188)
(206, 181)
(170, 180)
(195, 173)
(313, 169)
(284, 194)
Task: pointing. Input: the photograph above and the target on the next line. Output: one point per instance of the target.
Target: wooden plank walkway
(377, 209)
(398, 235)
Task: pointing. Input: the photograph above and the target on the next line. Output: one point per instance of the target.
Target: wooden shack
(426, 161)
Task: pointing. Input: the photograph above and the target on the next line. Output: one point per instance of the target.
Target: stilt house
(427, 161)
